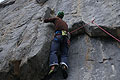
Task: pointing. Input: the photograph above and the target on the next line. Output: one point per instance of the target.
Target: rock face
(106, 14)
(41, 1)
(94, 59)
(25, 40)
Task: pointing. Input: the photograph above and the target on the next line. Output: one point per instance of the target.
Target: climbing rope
(105, 31)
(97, 26)
(78, 28)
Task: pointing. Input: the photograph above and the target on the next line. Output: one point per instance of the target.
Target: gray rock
(106, 14)
(6, 3)
(41, 1)
(25, 40)
(93, 59)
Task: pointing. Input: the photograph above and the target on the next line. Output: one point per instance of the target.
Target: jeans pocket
(58, 37)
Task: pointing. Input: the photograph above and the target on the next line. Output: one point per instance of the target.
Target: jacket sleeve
(50, 20)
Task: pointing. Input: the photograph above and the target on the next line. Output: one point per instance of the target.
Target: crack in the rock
(106, 59)
(2, 5)
(1, 49)
(27, 22)
(91, 32)
(20, 38)
(41, 2)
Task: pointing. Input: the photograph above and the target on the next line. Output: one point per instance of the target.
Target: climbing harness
(61, 32)
(64, 33)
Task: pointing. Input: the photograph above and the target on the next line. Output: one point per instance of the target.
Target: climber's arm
(50, 20)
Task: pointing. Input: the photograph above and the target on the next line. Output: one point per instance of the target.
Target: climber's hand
(68, 41)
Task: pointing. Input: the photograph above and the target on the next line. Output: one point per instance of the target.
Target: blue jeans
(59, 43)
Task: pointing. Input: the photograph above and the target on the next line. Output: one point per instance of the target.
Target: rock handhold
(77, 28)
(41, 1)
(6, 3)
(1, 49)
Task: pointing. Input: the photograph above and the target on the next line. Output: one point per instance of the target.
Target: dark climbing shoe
(53, 69)
(64, 71)
(49, 75)
(51, 72)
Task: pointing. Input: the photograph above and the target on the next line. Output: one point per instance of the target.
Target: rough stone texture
(41, 1)
(6, 3)
(106, 14)
(25, 39)
(92, 59)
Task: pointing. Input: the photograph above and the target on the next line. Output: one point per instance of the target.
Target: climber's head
(60, 14)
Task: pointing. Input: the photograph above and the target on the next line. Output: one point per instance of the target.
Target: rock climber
(59, 43)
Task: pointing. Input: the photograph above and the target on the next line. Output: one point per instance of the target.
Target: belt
(61, 32)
